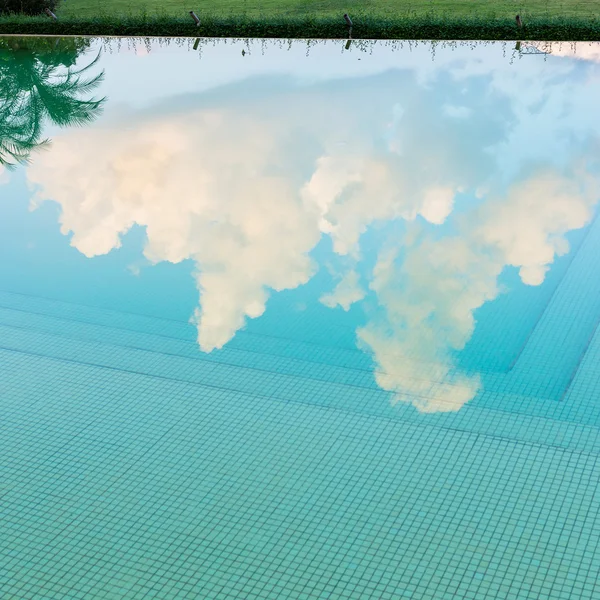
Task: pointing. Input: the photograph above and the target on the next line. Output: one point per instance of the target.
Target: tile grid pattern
(275, 482)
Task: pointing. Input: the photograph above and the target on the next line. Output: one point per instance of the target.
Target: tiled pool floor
(123, 477)
(299, 321)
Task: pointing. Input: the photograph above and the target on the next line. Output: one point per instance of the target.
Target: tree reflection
(38, 81)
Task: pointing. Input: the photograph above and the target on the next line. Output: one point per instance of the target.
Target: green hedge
(26, 7)
(365, 27)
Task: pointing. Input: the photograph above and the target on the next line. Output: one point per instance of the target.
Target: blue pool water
(305, 322)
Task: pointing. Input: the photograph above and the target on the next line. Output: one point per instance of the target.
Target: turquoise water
(302, 322)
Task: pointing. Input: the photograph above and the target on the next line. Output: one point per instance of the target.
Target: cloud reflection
(246, 189)
(430, 287)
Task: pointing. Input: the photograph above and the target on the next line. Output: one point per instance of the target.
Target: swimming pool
(299, 320)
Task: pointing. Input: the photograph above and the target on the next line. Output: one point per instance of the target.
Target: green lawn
(565, 20)
(328, 8)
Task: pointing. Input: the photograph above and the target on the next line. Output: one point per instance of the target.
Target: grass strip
(428, 27)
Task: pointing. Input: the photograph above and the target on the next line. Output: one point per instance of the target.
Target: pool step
(311, 367)
(109, 396)
(219, 377)
(167, 333)
(138, 343)
(284, 345)
(557, 346)
(279, 355)
(187, 370)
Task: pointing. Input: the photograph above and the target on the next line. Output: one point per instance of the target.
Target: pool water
(302, 321)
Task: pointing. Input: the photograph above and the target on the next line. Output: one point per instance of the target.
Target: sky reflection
(417, 185)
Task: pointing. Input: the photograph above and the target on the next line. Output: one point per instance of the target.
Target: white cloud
(247, 189)
(528, 227)
(200, 185)
(346, 292)
(431, 293)
(437, 204)
(354, 191)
